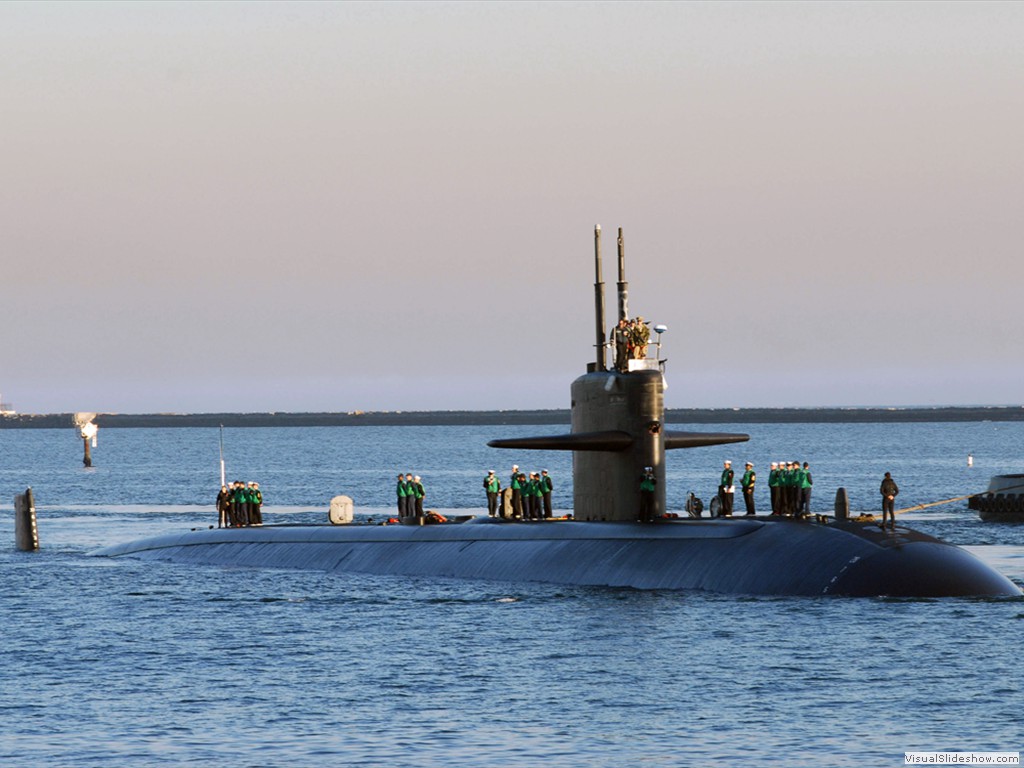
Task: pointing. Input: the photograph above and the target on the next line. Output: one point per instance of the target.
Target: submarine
(617, 434)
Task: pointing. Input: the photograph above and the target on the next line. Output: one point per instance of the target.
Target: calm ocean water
(119, 662)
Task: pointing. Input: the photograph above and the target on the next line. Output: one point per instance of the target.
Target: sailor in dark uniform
(620, 335)
(889, 491)
(726, 490)
(747, 483)
(546, 486)
(223, 507)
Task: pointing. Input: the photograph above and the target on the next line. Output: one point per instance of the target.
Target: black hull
(739, 556)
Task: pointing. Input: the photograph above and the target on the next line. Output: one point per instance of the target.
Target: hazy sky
(381, 206)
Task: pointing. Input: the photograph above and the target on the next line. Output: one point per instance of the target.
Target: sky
(210, 207)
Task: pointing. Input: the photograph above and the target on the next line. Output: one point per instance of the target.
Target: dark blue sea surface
(121, 662)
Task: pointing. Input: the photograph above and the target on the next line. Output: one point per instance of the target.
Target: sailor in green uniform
(788, 487)
(532, 492)
(410, 496)
(648, 482)
(255, 503)
(418, 494)
(402, 491)
(546, 486)
(798, 483)
(806, 482)
(517, 493)
(492, 485)
(747, 483)
(240, 503)
(726, 490)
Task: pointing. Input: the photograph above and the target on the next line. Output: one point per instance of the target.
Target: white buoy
(970, 459)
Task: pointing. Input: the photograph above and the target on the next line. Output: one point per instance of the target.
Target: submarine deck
(766, 556)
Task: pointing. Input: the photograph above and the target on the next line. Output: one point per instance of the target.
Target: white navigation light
(660, 328)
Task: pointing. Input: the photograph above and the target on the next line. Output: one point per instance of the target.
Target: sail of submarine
(617, 430)
(617, 422)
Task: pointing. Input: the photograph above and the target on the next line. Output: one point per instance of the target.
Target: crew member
(889, 491)
(410, 496)
(747, 482)
(517, 493)
(641, 337)
(806, 482)
(798, 482)
(773, 487)
(546, 486)
(418, 493)
(620, 335)
(493, 487)
(726, 490)
(648, 482)
(532, 491)
(240, 503)
(223, 507)
(256, 504)
(401, 490)
(789, 485)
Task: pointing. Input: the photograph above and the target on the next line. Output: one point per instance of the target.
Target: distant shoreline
(535, 417)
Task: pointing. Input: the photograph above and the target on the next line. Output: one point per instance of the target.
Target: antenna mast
(599, 299)
(623, 285)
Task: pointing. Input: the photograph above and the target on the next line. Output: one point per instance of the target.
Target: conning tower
(618, 422)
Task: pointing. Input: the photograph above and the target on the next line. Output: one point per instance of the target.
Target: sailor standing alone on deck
(889, 491)
(648, 482)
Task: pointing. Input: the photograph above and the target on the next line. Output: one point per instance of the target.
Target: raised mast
(599, 300)
(622, 284)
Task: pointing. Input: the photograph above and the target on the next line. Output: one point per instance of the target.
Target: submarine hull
(739, 556)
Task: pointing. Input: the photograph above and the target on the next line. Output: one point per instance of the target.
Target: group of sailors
(789, 487)
(240, 505)
(529, 495)
(410, 494)
(630, 338)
